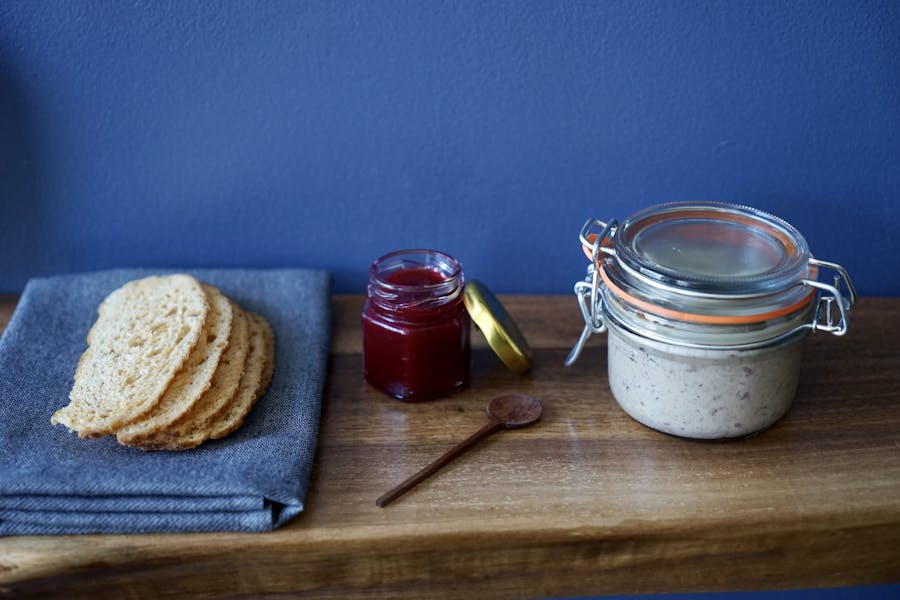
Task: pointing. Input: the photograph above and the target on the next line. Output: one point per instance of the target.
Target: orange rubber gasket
(694, 317)
(592, 237)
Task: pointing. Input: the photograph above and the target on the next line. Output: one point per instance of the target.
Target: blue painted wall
(265, 133)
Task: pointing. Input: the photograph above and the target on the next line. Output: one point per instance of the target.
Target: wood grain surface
(587, 501)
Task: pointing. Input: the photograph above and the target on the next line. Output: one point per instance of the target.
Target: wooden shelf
(585, 502)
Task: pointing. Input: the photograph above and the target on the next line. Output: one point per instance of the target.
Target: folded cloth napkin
(52, 482)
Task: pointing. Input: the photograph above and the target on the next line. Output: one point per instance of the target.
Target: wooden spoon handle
(490, 427)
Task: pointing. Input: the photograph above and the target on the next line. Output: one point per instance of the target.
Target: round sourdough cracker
(194, 427)
(257, 373)
(143, 335)
(269, 368)
(193, 380)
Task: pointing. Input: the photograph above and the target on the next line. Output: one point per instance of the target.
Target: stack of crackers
(170, 363)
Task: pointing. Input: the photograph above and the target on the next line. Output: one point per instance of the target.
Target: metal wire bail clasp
(824, 317)
(590, 301)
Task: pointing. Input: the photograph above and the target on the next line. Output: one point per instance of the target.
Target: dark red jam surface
(419, 276)
(418, 351)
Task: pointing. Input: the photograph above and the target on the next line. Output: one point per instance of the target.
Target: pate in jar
(706, 306)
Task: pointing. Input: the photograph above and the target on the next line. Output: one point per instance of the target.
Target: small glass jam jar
(415, 327)
(706, 306)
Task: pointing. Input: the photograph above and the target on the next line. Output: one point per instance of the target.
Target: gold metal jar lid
(497, 326)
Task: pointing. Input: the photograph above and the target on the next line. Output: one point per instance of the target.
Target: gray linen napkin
(52, 482)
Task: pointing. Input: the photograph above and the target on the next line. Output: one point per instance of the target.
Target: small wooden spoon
(504, 412)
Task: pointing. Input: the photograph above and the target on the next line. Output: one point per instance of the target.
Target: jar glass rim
(448, 267)
(724, 318)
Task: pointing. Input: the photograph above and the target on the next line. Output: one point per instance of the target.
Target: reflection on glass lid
(712, 247)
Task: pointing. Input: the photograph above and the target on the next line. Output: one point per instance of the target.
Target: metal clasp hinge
(824, 315)
(590, 301)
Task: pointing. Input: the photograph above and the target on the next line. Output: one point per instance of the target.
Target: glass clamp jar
(706, 306)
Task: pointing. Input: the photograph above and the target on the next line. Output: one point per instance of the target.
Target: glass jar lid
(712, 249)
(706, 262)
(707, 275)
